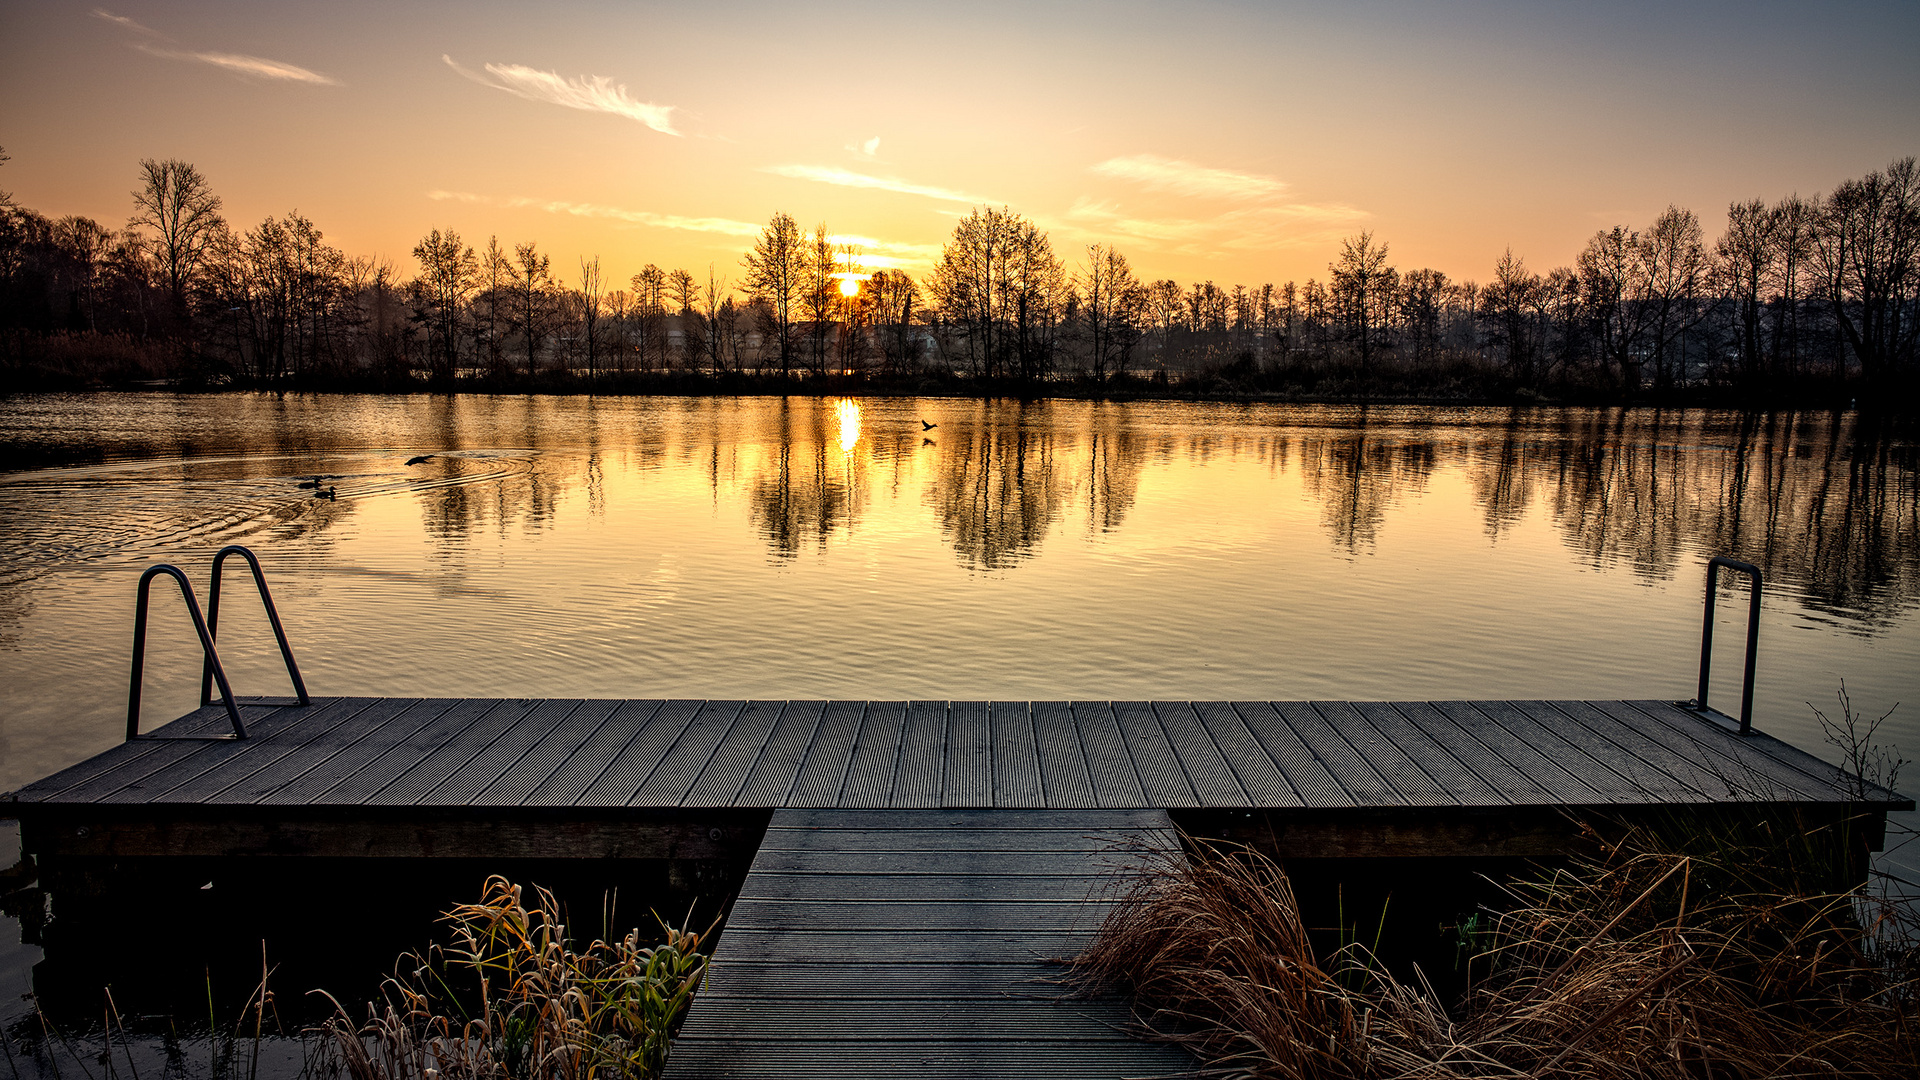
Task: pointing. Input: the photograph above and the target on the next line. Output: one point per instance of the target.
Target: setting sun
(849, 286)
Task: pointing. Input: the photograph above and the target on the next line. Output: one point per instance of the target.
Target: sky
(1237, 142)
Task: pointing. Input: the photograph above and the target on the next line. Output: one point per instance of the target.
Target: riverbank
(1224, 385)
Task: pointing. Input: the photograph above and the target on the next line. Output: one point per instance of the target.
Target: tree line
(1807, 297)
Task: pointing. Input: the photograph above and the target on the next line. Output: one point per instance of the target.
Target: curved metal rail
(1753, 637)
(273, 617)
(206, 646)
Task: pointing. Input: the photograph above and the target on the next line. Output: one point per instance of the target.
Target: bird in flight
(420, 458)
(924, 426)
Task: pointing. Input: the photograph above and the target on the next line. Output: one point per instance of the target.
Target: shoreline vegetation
(1809, 302)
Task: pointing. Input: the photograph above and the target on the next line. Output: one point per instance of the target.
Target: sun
(849, 286)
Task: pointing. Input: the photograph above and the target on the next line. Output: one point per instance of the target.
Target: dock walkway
(913, 863)
(918, 943)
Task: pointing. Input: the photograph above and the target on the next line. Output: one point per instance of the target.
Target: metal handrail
(1753, 637)
(206, 646)
(273, 617)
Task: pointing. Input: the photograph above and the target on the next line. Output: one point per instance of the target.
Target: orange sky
(1237, 142)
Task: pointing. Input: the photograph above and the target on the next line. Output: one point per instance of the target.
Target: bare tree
(1613, 283)
(650, 311)
(1868, 253)
(776, 272)
(532, 288)
(496, 270)
(591, 289)
(683, 297)
(819, 293)
(1674, 256)
(894, 298)
(175, 201)
(1114, 310)
(449, 272)
(1362, 291)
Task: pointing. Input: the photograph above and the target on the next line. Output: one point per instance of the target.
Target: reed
(1638, 962)
(512, 997)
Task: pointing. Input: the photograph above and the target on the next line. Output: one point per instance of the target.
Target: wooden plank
(379, 835)
(778, 770)
(1823, 775)
(592, 760)
(369, 765)
(451, 756)
(1591, 759)
(804, 821)
(683, 763)
(123, 755)
(1116, 782)
(1455, 778)
(1362, 783)
(1161, 776)
(847, 920)
(217, 765)
(463, 787)
(1016, 757)
(1253, 771)
(1530, 770)
(726, 772)
(1689, 782)
(147, 766)
(823, 772)
(918, 776)
(876, 755)
(641, 757)
(968, 770)
(863, 915)
(1064, 780)
(316, 751)
(1388, 760)
(1302, 769)
(1723, 754)
(1213, 782)
(550, 750)
(854, 857)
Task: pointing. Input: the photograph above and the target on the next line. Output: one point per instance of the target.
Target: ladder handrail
(206, 646)
(273, 618)
(1753, 637)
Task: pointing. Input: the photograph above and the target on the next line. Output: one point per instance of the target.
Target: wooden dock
(918, 942)
(914, 863)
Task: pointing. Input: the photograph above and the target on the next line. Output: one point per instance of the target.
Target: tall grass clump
(513, 997)
(1636, 962)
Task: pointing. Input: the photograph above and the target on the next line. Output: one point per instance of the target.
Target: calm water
(821, 548)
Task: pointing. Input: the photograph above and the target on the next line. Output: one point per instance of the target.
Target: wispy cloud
(590, 93)
(827, 174)
(1156, 173)
(870, 149)
(1243, 228)
(723, 226)
(257, 67)
(871, 254)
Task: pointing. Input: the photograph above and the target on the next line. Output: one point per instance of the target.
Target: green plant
(512, 996)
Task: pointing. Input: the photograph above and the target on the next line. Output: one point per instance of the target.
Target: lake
(802, 547)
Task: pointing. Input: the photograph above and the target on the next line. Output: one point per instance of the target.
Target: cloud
(724, 226)
(826, 174)
(1156, 173)
(868, 149)
(257, 67)
(590, 93)
(872, 254)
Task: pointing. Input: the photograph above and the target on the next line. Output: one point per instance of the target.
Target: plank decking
(368, 754)
(917, 943)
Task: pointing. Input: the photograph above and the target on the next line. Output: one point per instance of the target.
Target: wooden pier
(914, 863)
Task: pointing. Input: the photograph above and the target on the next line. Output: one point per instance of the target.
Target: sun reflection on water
(849, 413)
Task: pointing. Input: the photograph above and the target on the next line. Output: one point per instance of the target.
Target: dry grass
(513, 998)
(1643, 963)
